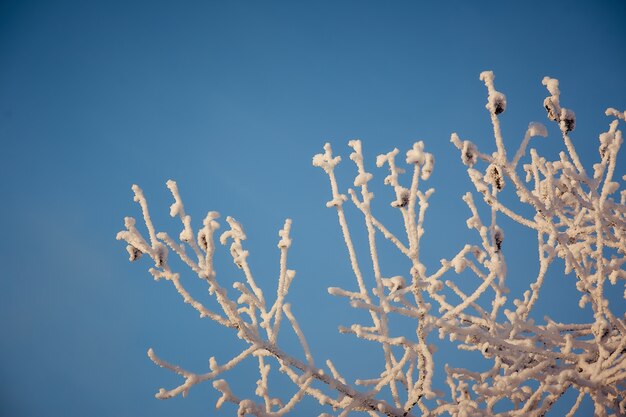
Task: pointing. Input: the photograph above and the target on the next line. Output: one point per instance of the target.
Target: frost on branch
(577, 217)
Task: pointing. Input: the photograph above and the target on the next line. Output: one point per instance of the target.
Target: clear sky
(232, 100)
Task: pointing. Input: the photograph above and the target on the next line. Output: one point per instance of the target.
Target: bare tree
(578, 216)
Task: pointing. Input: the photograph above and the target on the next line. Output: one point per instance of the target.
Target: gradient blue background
(232, 99)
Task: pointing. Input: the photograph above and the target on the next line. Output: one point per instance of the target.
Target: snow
(531, 364)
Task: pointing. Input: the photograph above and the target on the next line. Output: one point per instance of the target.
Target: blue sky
(232, 100)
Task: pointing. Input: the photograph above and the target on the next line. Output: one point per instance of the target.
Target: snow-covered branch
(578, 216)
